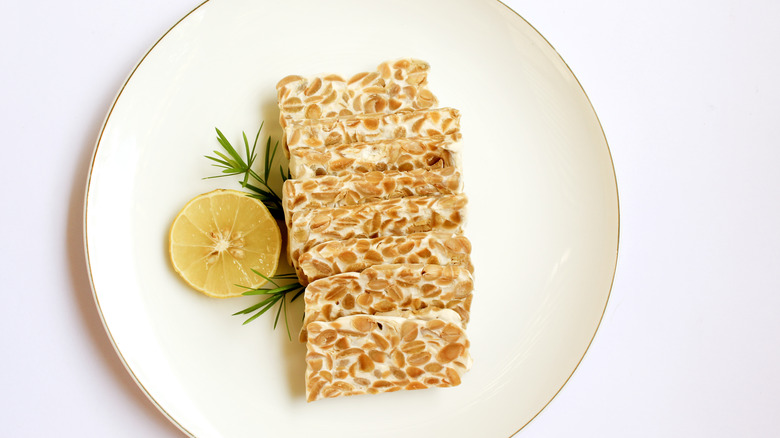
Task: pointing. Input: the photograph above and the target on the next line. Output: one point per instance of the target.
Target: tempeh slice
(389, 288)
(363, 188)
(402, 154)
(355, 255)
(371, 127)
(395, 86)
(391, 217)
(364, 354)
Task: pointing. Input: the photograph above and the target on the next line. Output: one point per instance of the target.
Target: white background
(688, 95)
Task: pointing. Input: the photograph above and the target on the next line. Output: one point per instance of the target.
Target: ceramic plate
(543, 215)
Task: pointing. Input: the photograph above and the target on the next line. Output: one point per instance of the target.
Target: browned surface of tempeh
(386, 155)
(389, 288)
(371, 127)
(355, 255)
(363, 188)
(374, 212)
(396, 85)
(391, 217)
(363, 354)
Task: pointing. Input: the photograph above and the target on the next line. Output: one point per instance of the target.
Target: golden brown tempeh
(386, 155)
(375, 211)
(363, 354)
(396, 85)
(389, 288)
(355, 255)
(371, 127)
(391, 217)
(362, 188)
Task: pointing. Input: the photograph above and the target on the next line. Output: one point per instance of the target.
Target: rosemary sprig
(232, 164)
(273, 295)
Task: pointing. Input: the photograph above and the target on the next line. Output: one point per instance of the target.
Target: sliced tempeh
(407, 154)
(395, 86)
(371, 127)
(355, 255)
(391, 217)
(362, 188)
(363, 354)
(389, 288)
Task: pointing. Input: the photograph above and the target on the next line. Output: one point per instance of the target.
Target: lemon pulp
(219, 237)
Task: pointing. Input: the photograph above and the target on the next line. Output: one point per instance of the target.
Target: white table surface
(688, 94)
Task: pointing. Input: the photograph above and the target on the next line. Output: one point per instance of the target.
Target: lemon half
(219, 237)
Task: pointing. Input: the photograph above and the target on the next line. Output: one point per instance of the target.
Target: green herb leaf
(273, 295)
(231, 163)
(278, 290)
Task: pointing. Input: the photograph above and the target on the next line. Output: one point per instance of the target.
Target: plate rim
(99, 139)
(85, 226)
(617, 205)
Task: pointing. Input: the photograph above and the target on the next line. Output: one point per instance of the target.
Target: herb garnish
(274, 295)
(232, 164)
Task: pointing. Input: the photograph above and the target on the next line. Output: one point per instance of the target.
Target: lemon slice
(219, 237)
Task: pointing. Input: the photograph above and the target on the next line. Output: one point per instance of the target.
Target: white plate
(543, 214)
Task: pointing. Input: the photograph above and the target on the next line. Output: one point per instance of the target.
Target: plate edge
(617, 204)
(85, 224)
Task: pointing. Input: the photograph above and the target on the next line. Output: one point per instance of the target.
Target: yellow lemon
(219, 237)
